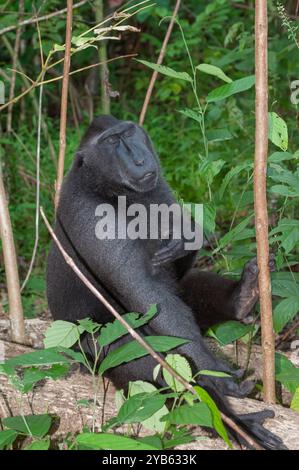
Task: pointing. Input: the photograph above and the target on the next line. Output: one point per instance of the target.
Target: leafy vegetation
(201, 119)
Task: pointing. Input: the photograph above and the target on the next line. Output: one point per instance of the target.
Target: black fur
(116, 158)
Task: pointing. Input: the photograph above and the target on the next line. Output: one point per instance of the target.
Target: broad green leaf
(88, 325)
(278, 157)
(213, 70)
(278, 131)
(43, 357)
(295, 401)
(229, 331)
(199, 414)
(289, 376)
(153, 423)
(139, 407)
(166, 71)
(42, 444)
(285, 312)
(111, 442)
(284, 367)
(38, 425)
(182, 367)
(283, 288)
(61, 333)
(230, 89)
(7, 438)
(133, 350)
(154, 441)
(284, 190)
(34, 375)
(115, 330)
(216, 416)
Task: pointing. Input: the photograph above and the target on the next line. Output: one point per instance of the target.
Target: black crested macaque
(116, 158)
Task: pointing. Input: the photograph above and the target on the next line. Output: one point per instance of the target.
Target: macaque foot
(247, 292)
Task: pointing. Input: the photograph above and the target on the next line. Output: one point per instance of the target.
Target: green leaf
(216, 416)
(39, 425)
(199, 414)
(61, 333)
(42, 357)
(42, 444)
(212, 373)
(111, 442)
(295, 401)
(182, 367)
(232, 234)
(139, 407)
(282, 366)
(153, 423)
(230, 89)
(229, 331)
(284, 288)
(213, 70)
(219, 135)
(209, 217)
(166, 71)
(190, 113)
(289, 376)
(34, 375)
(234, 171)
(278, 131)
(278, 157)
(88, 325)
(133, 350)
(7, 438)
(115, 330)
(285, 311)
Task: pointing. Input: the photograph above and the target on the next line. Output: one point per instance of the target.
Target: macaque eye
(113, 139)
(128, 133)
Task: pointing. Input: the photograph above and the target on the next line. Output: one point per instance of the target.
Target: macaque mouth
(147, 176)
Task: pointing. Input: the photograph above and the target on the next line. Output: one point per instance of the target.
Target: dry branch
(159, 62)
(36, 19)
(260, 197)
(11, 269)
(64, 95)
(14, 65)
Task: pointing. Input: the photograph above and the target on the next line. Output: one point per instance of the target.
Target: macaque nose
(139, 161)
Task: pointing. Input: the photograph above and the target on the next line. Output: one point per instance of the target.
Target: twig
(64, 95)
(34, 19)
(159, 62)
(287, 333)
(39, 126)
(70, 262)
(260, 198)
(11, 269)
(14, 64)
